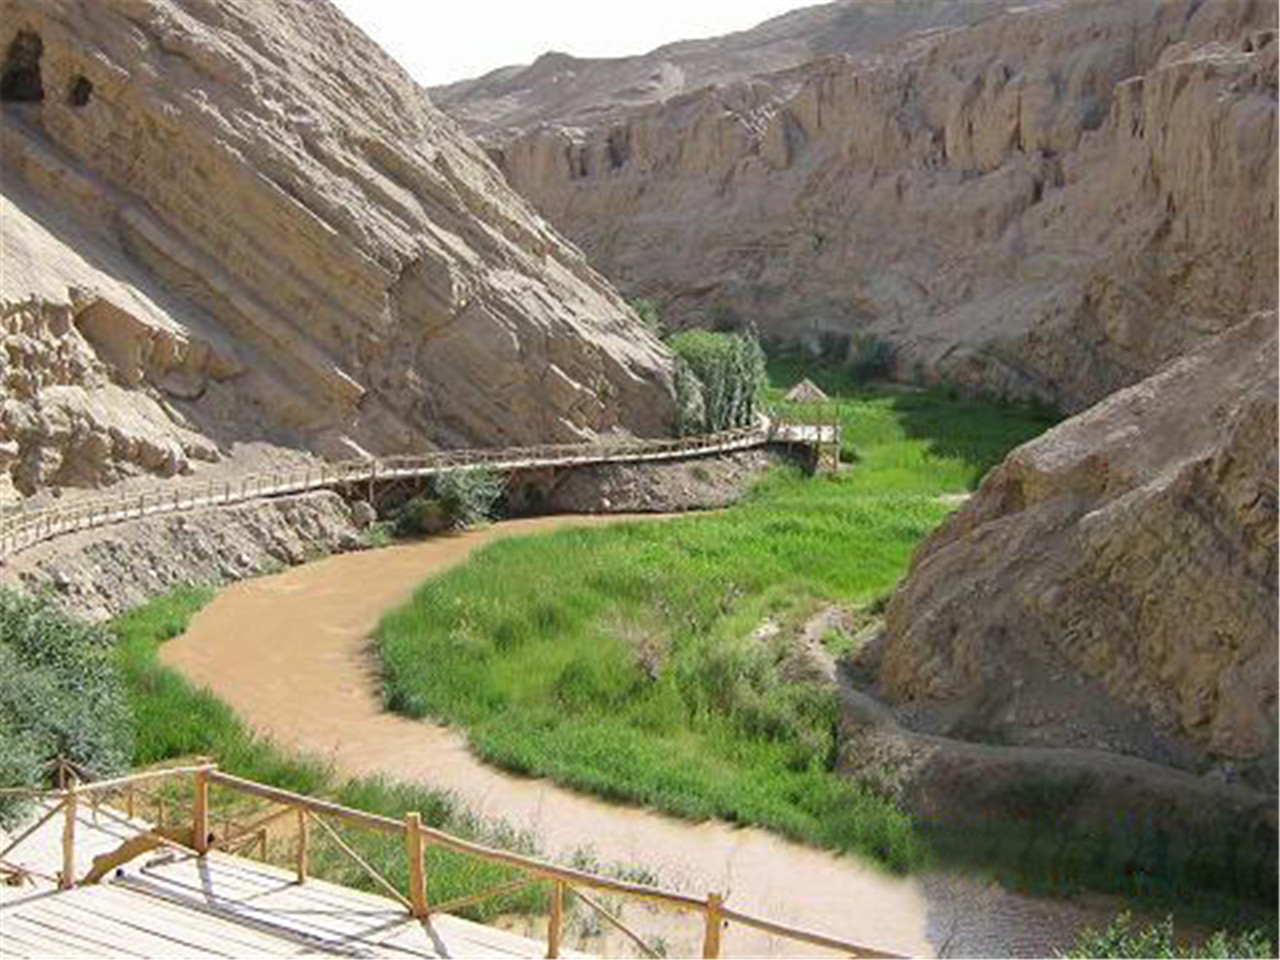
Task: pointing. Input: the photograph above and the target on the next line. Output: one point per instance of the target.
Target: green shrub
(1123, 939)
(647, 311)
(688, 393)
(60, 694)
(421, 516)
(463, 498)
(469, 496)
(834, 347)
(729, 369)
(870, 357)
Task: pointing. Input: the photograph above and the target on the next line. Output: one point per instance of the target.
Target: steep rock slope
(239, 221)
(1113, 583)
(1050, 201)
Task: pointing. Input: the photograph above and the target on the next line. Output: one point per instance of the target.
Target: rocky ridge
(226, 222)
(1112, 584)
(97, 574)
(1049, 201)
(564, 89)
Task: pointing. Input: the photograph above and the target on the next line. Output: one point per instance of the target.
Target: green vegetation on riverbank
(629, 661)
(174, 719)
(60, 696)
(1126, 939)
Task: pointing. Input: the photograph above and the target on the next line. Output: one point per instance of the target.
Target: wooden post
(556, 919)
(200, 813)
(129, 802)
(302, 845)
(711, 937)
(68, 878)
(413, 846)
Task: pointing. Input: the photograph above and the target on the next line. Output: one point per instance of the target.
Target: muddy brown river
(289, 653)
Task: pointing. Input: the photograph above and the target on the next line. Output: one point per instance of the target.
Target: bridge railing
(24, 528)
(200, 837)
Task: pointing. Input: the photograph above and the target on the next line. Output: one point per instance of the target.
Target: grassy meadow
(629, 662)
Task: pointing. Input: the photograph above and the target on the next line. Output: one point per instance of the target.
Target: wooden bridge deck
(174, 900)
(24, 528)
(174, 904)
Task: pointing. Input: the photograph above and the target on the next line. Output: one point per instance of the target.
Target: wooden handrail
(616, 924)
(439, 838)
(715, 914)
(713, 910)
(370, 821)
(804, 936)
(24, 528)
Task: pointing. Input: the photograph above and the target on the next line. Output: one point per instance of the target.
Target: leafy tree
(730, 372)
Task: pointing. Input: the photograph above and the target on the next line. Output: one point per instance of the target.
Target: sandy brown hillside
(1123, 562)
(559, 88)
(240, 221)
(1051, 200)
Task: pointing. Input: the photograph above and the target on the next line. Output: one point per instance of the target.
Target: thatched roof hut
(806, 391)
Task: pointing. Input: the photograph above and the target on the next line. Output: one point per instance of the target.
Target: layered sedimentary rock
(1113, 583)
(1051, 200)
(240, 221)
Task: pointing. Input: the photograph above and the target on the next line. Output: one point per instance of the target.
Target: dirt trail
(289, 653)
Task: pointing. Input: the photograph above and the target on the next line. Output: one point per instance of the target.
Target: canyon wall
(582, 91)
(1112, 584)
(1051, 200)
(239, 222)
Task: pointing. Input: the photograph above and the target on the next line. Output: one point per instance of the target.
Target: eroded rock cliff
(1113, 583)
(1051, 200)
(239, 221)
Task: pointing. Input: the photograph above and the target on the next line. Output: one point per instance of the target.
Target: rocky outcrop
(1113, 583)
(240, 221)
(97, 574)
(1051, 201)
(699, 483)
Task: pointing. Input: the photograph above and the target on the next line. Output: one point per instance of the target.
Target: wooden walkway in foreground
(88, 878)
(24, 528)
(172, 903)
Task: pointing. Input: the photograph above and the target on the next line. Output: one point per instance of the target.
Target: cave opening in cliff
(20, 82)
(80, 91)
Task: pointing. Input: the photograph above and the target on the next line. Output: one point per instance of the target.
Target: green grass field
(626, 661)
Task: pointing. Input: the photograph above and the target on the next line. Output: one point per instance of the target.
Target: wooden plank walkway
(24, 528)
(170, 903)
